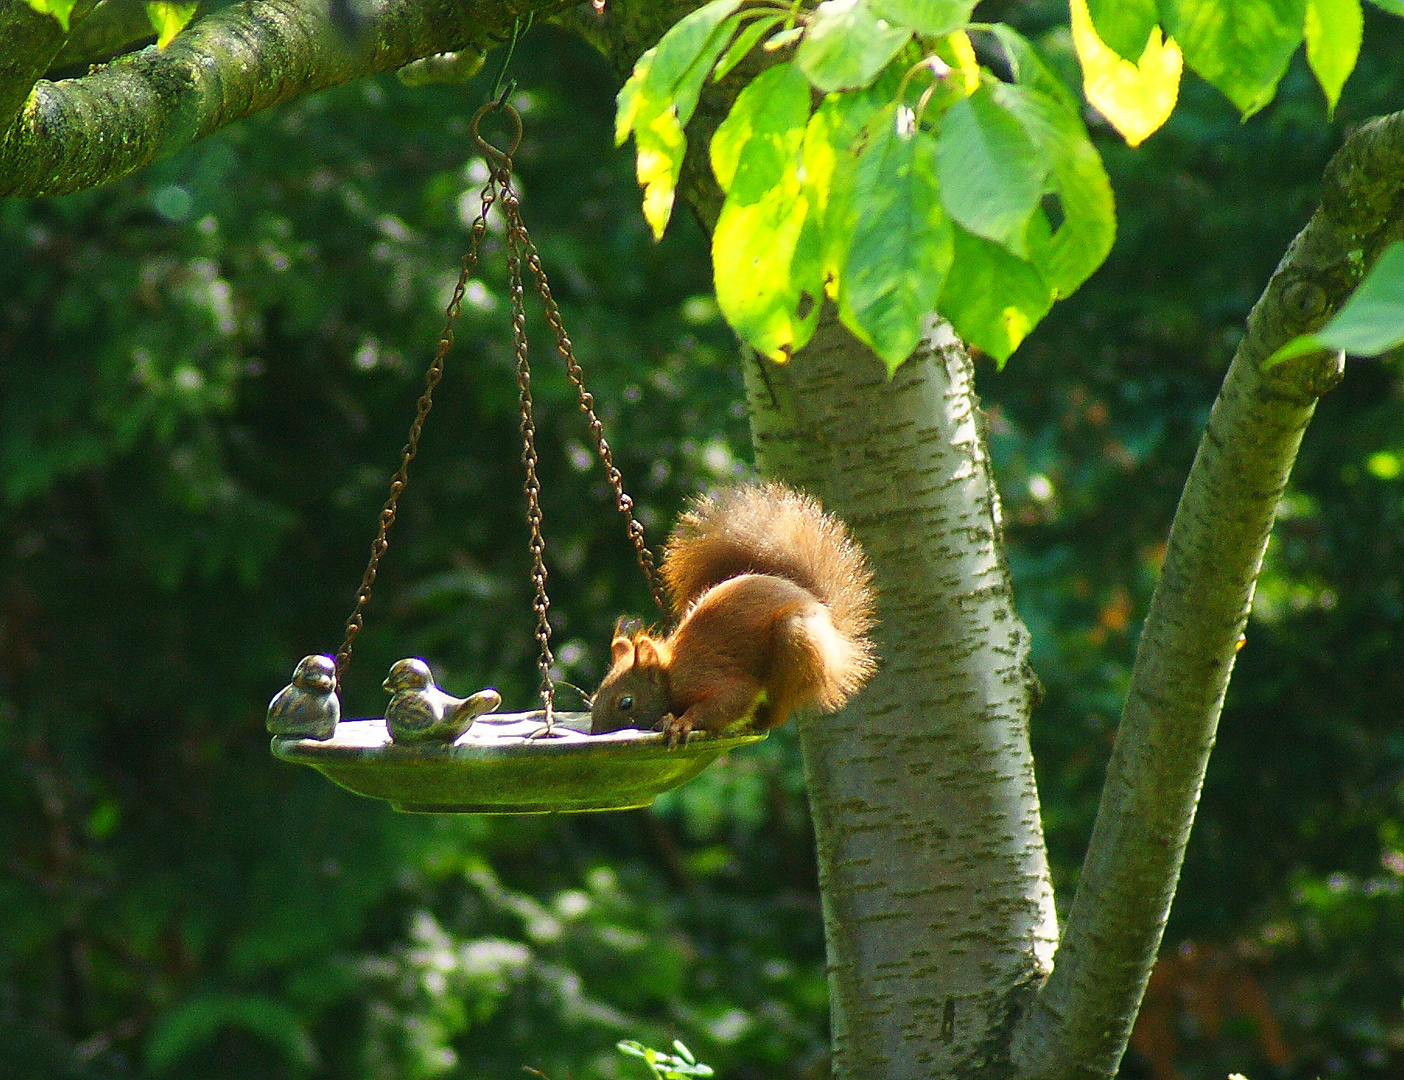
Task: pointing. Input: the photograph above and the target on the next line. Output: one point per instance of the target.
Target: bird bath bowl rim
(495, 768)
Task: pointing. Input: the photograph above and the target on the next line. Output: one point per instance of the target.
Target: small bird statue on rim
(420, 712)
(308, 707)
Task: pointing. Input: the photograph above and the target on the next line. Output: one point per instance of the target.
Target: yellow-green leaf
(1369, 323)
(1136, 98)
(168, 19)
(847, 44)
(1333, 32)
(59, 9)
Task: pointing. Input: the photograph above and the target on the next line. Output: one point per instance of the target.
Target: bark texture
(80, 133)
(938, 910)
(1082, 1019)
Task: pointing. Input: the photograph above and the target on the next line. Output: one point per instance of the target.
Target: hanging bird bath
(440, 754)
(496, 767)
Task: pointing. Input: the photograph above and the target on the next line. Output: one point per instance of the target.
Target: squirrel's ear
(649, 653)
(620, 649)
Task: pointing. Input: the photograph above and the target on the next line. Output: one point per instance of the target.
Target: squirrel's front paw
(676, 729)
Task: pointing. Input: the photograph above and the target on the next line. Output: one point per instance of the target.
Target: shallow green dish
(493, 768)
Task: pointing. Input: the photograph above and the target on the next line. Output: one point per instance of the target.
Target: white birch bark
(938, 910)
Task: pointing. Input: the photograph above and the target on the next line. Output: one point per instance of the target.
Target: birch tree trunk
(938, 911)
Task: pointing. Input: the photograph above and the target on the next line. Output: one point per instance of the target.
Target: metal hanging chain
(541, 603)
(379, 545)
(519, 248)
(634, 527)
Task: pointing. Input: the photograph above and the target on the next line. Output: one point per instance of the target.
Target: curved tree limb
(79, 133)
(1080, 1024)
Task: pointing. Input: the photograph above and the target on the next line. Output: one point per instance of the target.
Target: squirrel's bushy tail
(768, 528)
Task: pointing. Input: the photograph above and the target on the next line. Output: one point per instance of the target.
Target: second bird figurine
(420, 712)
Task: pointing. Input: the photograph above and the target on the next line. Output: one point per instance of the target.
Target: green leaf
(991, 171)
(1030, 69)
(765, 247)
(993, 298)
(168, 19)
(900, 240)
(199, 1019)
(846, 45)
(1369, 323)
(1240, 46)
(1333, 33)
(1065, 256)
(1394, 7)
(763, 133)
(744, 43)
(659, 98)
(59, 9)
(933, 18)
(1124, 25)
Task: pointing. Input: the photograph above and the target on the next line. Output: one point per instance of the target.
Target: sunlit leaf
(1124, 26)
(991, 171)
(901, 240)
(168, 19)
(1334, 29)
(744, 43)
(59, 9)
(1241, 47)
(932, 18)
(992, 298)
(659, 98)
(1369, 323)
(765, 248)
(764, 130)
(1136, 98)
(846, 45)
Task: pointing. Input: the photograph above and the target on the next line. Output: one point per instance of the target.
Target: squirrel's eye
(626, 703)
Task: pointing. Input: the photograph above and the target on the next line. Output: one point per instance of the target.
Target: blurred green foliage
(206, 373)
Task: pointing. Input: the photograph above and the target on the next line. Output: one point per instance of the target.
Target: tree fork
(1082, 1019)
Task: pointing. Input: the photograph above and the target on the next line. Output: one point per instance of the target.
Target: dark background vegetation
(206, 372)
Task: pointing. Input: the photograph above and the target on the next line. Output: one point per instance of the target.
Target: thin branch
(79, 133)
(1080, 1024)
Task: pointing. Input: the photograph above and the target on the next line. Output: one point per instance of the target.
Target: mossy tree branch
(1082, 1019)
(80, 133)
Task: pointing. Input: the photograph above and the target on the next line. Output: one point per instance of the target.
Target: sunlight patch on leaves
(931, 18)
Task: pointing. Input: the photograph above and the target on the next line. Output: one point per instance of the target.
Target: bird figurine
(420, 712)
(308, 707)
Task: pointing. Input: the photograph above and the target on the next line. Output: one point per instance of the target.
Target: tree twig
(1082, 1019)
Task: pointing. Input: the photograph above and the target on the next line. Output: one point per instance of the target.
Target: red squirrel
(774, 601)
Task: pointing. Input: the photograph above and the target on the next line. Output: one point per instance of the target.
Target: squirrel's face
(634, 694)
